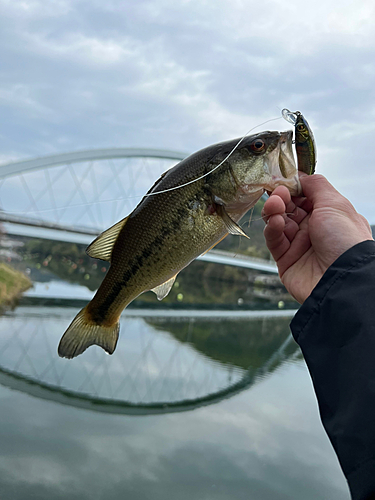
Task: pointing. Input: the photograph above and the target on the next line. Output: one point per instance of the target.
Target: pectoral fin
(231, 226)
(101, 247)
(163, 289)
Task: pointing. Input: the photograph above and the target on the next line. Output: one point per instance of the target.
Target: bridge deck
(51, 231)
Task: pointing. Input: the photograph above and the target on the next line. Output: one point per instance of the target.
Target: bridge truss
(85, 189)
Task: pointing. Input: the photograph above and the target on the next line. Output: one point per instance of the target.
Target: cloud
(85, 74)
(32, 9)
(19, 96)
(85, 50)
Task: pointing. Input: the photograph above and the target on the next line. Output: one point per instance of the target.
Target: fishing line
(156, 192)
(262, 217)
(215, 168)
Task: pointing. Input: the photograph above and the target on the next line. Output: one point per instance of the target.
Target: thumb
(318, 190)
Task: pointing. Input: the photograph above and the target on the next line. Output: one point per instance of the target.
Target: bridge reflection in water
(165, 361)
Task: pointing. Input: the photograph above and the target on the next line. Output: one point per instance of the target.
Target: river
(195, 403)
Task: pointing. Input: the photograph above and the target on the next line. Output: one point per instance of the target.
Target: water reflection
(165, 361)
(265, 442)
(246, 343)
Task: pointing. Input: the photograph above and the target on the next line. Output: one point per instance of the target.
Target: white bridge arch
(74, 196)
(84, 190)
(17, 167)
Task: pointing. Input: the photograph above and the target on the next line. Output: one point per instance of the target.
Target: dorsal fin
(101, 247)
(163, 289)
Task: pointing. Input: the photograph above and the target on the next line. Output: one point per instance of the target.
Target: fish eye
(301, 128)
(258, 145)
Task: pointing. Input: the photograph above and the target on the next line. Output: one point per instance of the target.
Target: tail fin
(82, 333)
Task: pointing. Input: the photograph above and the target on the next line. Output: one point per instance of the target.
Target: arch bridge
(75, 196)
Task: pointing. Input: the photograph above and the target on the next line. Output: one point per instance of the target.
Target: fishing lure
(304, 141)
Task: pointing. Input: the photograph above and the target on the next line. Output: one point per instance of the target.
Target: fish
(304, 141)
(189, 209)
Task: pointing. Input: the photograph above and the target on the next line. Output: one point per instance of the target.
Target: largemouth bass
(304, 141)
(173, 225)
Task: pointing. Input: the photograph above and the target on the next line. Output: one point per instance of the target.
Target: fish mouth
(281, 167)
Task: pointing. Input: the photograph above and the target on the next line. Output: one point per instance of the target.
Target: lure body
(304, 141)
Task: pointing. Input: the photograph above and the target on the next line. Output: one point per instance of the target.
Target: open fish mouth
(281, 166)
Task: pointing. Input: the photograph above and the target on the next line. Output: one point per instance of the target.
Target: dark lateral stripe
(99, 314)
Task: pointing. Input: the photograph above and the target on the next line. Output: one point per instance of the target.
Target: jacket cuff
(353, 258)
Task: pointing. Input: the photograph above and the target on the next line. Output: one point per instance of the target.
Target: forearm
(335, 329)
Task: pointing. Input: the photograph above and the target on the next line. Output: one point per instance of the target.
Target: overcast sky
(181, 75)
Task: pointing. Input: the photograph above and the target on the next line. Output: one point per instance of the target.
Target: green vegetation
(68, 261)
(200, 284)
(242, 343)
(12, 284)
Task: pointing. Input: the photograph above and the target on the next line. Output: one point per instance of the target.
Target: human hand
(305, 235)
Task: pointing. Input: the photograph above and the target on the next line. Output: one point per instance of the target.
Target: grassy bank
(12, 284)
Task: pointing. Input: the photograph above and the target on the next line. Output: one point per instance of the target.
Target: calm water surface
(193, 404)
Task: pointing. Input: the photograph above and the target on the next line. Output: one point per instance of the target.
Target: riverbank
(12, 284)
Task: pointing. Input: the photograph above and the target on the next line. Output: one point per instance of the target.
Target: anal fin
(163, 289)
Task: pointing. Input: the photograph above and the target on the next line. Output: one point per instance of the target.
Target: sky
(82, 74)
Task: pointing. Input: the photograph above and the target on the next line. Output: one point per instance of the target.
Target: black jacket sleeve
(335, 329)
